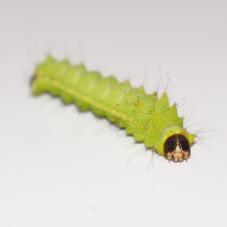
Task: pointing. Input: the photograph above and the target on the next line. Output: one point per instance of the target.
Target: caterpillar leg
(177, 148)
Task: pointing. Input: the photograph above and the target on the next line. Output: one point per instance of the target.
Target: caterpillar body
(148, 118)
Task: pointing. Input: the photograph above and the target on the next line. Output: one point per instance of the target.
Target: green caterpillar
(146, 117)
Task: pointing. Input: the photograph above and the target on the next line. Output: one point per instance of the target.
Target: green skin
(147, 118)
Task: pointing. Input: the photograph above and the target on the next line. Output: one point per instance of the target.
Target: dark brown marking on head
(177, 148)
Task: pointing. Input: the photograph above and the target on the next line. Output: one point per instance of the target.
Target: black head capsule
(177, 148)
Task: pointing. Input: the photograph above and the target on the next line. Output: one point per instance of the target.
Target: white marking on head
(178, 147)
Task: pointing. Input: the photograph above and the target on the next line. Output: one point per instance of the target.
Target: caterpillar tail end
(32, 85)
(36, 89)
(32, 79)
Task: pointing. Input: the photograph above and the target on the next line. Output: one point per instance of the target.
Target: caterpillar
(149, 118)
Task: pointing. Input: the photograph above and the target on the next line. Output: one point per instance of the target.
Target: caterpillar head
(177, 148)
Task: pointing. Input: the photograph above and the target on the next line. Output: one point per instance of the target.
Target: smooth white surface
(62, 168)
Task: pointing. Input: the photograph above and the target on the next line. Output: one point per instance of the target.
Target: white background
(59, 167)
